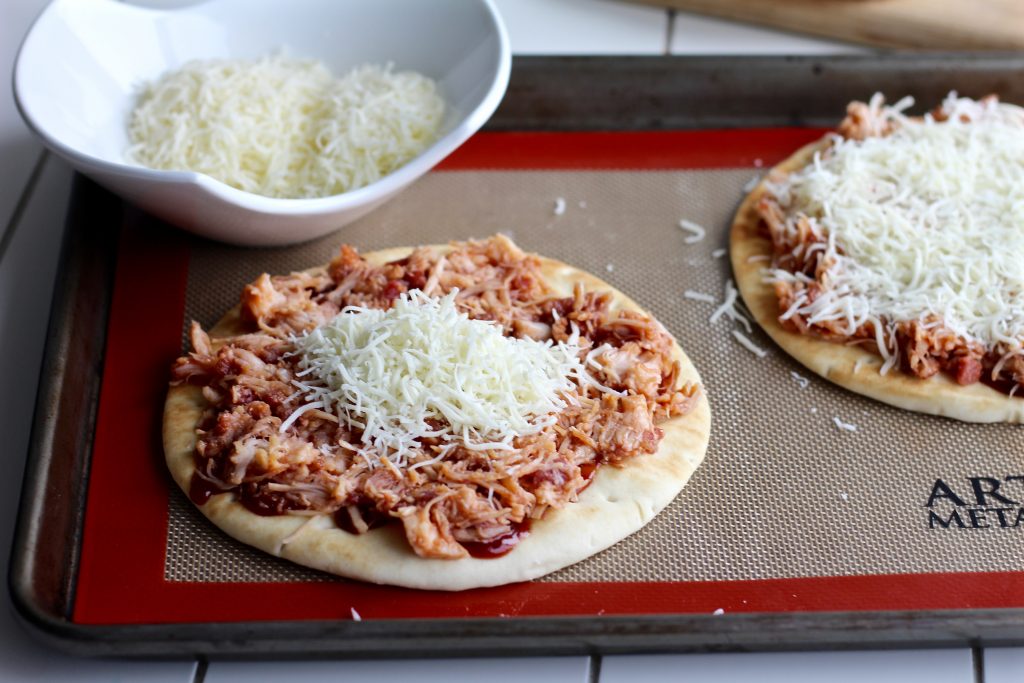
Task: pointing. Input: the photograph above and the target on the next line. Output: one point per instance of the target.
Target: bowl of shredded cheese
(256, 123)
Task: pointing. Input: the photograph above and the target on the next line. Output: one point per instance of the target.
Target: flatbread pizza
(285, 431)
(885, 257)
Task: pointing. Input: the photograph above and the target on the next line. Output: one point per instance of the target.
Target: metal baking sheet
(567, 94)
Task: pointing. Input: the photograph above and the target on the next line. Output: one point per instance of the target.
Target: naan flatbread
(851, 367)
(618, 501)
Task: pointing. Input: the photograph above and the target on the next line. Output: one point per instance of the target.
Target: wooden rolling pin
(921, 24)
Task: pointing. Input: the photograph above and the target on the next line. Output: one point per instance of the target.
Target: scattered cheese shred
(355, 614)
(422, 369)
(926, 223)
(718, 253)
(696, 232)
(729, 308)
(559, 206)
(845, 426)
(699, 296)
(284, 127)
(749, 345)
(800, 379)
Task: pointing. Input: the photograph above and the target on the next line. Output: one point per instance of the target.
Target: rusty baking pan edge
(49, 527)
(535, 637)
(545, 93)
(605, 93)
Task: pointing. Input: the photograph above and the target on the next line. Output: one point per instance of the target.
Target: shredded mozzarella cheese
(697, 232)
(424, 369)
(730, 308)
(844, 426)
(284, 127)
(699, 296)
(926, 223)
(749, 345)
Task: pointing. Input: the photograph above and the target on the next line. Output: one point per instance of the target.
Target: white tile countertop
(34, 188)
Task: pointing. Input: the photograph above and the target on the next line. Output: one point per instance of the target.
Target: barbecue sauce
(484, 551)
(501, 545)
(200, 490)
(261, 505)
(1001, 385)
(370, 515)
(587, 471)
(264, 503)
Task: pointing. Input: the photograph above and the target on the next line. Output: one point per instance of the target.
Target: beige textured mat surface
(783, 491)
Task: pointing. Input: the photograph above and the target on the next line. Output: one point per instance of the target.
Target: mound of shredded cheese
(926, 223)
(284, 127)
(424, 369)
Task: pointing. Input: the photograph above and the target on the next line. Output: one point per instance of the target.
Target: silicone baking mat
(810, 498)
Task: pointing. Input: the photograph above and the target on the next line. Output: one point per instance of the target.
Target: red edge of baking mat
(121, 580)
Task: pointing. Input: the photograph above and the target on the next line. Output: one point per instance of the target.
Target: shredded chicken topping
(447, 499)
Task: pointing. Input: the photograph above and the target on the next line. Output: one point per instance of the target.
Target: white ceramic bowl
(83, 60)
